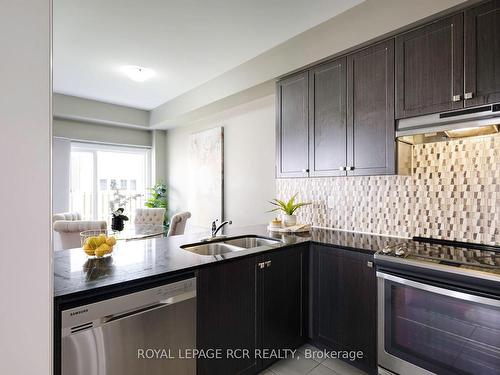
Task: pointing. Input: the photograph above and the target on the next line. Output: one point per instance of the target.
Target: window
(105, 177)
(103, 184)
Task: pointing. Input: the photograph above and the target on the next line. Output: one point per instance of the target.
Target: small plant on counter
(158, 199)
(288, 208)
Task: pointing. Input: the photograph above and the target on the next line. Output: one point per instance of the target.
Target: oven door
(425, 329)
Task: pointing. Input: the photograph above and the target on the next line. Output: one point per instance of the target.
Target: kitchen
(387, 148)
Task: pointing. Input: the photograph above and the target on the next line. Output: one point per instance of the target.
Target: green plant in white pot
(288, 208)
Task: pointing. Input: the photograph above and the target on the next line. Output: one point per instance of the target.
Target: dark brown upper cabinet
(327, 119)
(429, 68)
(482, 54)
(292, 125)
(370, 111)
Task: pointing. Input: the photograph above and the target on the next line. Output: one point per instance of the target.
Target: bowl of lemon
(97, 243)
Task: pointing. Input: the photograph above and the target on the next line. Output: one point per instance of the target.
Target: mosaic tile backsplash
(453, 193)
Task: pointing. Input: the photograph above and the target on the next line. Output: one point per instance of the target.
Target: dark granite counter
(76, 274)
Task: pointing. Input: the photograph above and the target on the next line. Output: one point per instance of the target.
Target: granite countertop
(75, 273)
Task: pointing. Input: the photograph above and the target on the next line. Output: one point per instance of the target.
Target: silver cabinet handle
(305, 170)
(261, 265)
(349, 168)
(369, 264)
(456, 98)
(342, 168)
(468, 95)
(268, 263)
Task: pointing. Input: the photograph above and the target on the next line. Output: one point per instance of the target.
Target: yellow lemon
(89, 251)
(102, 250)
(101, 239)
(111, 241)
(93, 242)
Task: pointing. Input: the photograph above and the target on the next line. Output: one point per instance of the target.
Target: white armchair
(67, 228)
(70, 216)
(149, 216)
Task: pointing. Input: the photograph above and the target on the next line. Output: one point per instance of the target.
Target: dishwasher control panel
(88, 316)
(174, 289)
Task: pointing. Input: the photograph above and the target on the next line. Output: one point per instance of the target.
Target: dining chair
(178, 223)
(153, 216)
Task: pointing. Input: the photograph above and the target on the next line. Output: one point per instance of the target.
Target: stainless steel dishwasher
(147, 332)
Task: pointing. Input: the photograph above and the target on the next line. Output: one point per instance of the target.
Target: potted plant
(159, 199)
(288, 209)
(117, 220)
(119, 200)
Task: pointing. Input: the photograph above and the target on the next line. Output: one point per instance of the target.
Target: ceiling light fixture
(137, 73)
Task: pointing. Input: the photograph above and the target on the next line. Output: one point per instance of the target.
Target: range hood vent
(444, 126)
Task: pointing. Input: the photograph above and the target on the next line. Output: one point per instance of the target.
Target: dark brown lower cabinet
(252, 303)
(281, 300)
(344, 303)
(226, 316)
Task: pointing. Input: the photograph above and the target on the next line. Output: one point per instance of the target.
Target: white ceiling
(187, 42)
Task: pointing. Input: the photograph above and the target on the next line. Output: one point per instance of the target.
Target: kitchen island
(262, 297)
(76, 275)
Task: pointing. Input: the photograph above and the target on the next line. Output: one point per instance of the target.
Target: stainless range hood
(444, 126)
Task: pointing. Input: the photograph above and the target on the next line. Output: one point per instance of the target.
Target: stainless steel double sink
(228, 245)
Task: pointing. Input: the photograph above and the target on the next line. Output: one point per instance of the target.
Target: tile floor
(303, 366)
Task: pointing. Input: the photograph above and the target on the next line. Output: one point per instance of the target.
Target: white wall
(368, 20)
(67, 107)
(85, 131)
(249, 134)
(61, 157)
(25, 116)
(159, 156)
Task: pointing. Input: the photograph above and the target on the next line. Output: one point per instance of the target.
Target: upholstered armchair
(178, 223)
(68, 226)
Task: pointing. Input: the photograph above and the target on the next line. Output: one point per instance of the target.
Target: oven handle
(438, 290)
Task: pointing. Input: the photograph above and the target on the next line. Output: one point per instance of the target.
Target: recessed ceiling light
(137, 73)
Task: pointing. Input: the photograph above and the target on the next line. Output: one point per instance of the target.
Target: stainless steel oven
(429, 328)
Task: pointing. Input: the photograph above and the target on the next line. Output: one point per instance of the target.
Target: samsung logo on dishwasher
(78, 312)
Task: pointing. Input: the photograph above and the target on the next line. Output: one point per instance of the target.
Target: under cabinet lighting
(470, 132)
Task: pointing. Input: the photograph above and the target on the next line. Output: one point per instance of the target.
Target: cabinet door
(281, 297)
(327, 119)
(227, 315)
(344, 303)
(360, 305)
(292, 125)
(327, 294)
(482, 54)
(370, 113)
(429, 68)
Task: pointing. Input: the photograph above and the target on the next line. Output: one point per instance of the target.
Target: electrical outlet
(330, 202)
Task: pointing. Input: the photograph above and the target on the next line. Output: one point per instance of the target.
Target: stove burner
(449, 253)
